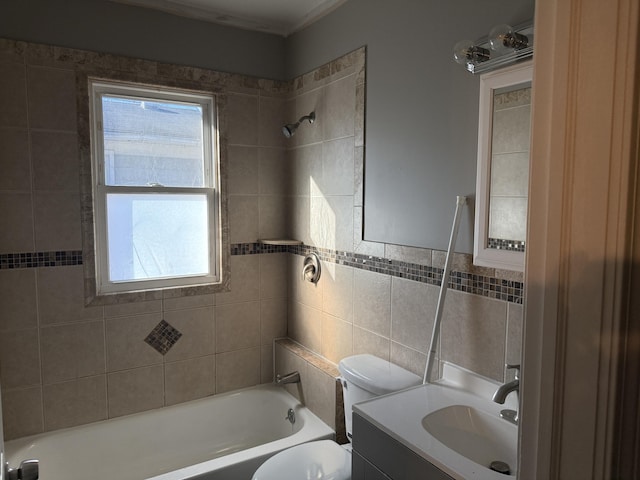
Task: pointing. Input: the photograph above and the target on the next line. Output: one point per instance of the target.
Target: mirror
(503, 168)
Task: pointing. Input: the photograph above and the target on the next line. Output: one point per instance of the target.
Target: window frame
(97, 89)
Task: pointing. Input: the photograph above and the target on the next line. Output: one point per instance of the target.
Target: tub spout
(293, 377)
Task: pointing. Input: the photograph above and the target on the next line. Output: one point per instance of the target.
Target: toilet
(363, 377)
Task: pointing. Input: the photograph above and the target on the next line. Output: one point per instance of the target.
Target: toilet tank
(366, 376)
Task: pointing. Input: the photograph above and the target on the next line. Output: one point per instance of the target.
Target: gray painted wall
(421, 109)
(111, 27)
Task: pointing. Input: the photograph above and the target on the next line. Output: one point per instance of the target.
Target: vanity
(450, 429)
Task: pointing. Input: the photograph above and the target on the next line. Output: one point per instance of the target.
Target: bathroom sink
(479, 436)
(453, 424)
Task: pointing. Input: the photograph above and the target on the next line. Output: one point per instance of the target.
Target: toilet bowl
(363, 377)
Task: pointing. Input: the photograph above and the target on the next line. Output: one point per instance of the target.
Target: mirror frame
(489, 82)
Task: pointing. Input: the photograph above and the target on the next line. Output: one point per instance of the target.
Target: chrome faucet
(501, 395)
(293, 377)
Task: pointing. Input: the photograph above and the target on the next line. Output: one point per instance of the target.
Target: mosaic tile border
(40, 259)
(500, 289)
(510, 245)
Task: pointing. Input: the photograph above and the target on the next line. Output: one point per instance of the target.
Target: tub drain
(500, 467)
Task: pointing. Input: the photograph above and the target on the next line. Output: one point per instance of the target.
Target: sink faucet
(293, 377)
(501, 395)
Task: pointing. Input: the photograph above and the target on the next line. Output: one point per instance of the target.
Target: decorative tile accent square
(163, 337)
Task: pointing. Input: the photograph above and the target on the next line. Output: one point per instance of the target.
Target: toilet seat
(320, 460)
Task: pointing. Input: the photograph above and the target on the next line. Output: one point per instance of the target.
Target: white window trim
(100, 87)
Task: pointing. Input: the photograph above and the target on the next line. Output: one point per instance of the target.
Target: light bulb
(499, 38)
(462, 51)
(503, 39)
(465, 52)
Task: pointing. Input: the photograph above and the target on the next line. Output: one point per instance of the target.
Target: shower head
(289, 130)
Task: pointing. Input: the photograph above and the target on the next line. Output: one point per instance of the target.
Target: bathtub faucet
(293, 377)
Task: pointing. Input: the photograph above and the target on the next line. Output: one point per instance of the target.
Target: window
(155, 173)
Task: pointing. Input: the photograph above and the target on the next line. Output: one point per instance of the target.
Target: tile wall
(372, 297)
(63, 363)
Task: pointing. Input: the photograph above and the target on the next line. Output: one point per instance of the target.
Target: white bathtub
(221, 437)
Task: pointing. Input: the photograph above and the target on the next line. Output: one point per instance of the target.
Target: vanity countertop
(401, 415)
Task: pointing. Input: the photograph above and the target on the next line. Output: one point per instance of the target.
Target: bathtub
(226, 436)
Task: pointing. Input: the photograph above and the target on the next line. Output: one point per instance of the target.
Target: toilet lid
(321, 460)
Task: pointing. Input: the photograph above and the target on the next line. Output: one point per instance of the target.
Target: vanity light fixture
(504, 45)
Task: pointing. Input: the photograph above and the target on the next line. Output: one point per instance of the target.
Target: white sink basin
(480, 437)
(453, 424)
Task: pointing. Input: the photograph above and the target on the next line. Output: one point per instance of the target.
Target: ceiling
(281, 17)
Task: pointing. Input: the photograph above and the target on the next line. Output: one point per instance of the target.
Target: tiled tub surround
(63, 363)
(79, 364)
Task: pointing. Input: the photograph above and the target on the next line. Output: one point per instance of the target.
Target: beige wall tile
(514, 337)
(337, 296)
(473, 333)
(304, 165)
(243, 170)
(133, 308)
(266, 363)
(198, 333)
(409, 359)
(75, 403)
(22, 412)
(14, 158)
(340, 108)
(298, 220)
(189, 301)
(52, 98)
(272, 222)
(242, 122)
(245, 280)
(135, 390)
(61, 296)
(18, 299)
(189, 379)
(13, 95)
(237, 369)
(365, 341)
(337, 338)
(273, 170)
(126, 347)
(332, 222)
(72, 351)
(338, 167)
(271, 119)
(305, 326)
(320, 395)
(273, 320)
(372, 301)
(243, 218)
(358, 179)
(16, 210)
(56, 164)
(413, 309)
(237, 326)
(273, 275)
(19, 358)
(57, 221)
